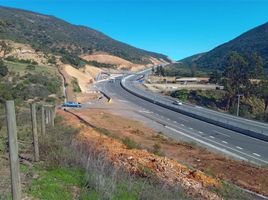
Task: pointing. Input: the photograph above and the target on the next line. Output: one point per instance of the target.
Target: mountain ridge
(254, 40)
(51, 34)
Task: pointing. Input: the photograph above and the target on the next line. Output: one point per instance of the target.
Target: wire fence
(26, 150)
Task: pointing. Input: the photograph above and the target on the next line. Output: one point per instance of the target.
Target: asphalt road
(230, 120)
(178, 125)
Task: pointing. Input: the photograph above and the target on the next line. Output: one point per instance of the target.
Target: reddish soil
(142, 162)
(240, 173)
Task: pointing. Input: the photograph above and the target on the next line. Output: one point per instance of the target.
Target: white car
(178, 103)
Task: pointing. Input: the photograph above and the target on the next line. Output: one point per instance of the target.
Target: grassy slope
(21, 68)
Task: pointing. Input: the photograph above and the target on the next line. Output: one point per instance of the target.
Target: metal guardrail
(222, 123)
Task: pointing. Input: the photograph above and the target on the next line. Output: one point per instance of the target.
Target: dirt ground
(142, 162)
(110, 59)
(240, 173)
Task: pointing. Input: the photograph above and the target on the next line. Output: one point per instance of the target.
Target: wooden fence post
(13, 150)
(53, 116)
(46, 114)
(34, 131)
(43, 122)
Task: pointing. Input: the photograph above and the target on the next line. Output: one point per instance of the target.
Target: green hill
(255, 40)
(53, 35)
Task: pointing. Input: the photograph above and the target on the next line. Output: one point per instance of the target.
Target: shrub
(30, 67)
(130, 143)
(3, 69)
(157, 149)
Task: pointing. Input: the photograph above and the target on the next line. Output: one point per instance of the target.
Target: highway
(179, 126)
(249, 127)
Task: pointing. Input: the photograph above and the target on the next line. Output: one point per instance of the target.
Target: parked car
(178, 103)
(72, 104)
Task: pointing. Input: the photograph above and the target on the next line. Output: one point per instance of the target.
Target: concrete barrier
(109, 99)
(236, 128)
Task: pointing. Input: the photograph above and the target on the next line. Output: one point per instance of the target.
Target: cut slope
(82, 78)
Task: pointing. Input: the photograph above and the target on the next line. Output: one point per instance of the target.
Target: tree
(5, 47)
(3, 69)
(160, 71)
(215, 77)
(237, 74)
(264, 93)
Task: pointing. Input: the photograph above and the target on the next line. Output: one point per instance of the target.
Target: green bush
(30, 67)
(3, 69)
(181, 94)
(130, 143)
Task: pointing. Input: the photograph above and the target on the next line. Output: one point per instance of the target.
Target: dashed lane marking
(221, 133)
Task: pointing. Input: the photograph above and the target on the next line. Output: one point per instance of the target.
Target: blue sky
(177, 28)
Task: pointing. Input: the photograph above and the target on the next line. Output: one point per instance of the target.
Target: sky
(177, 28)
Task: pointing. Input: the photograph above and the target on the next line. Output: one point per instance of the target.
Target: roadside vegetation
(241, 74)
(71, 170)
(22, 82)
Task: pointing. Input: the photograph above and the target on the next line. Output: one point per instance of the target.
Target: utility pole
(13, 150)
(238, 103)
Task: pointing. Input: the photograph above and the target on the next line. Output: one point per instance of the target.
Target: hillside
(254, 40)
(52, 35)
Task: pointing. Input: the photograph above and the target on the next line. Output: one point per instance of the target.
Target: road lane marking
(145, 111)
(257, 154)
(206, 143)
(122, 100)
(239, 147)
(191, 128)
(211, 136)
(200, 132)
(221, 133)
(223, 148)
(224, 142)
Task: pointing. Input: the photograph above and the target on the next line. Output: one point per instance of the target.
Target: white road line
(224, 142)
(257, 154)
(211, 136)
(206, 143)
(191, 128)
(221, 133)
(224, 149)
(239, 147)
(122, 100)
(200, 132)
(145, 111)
